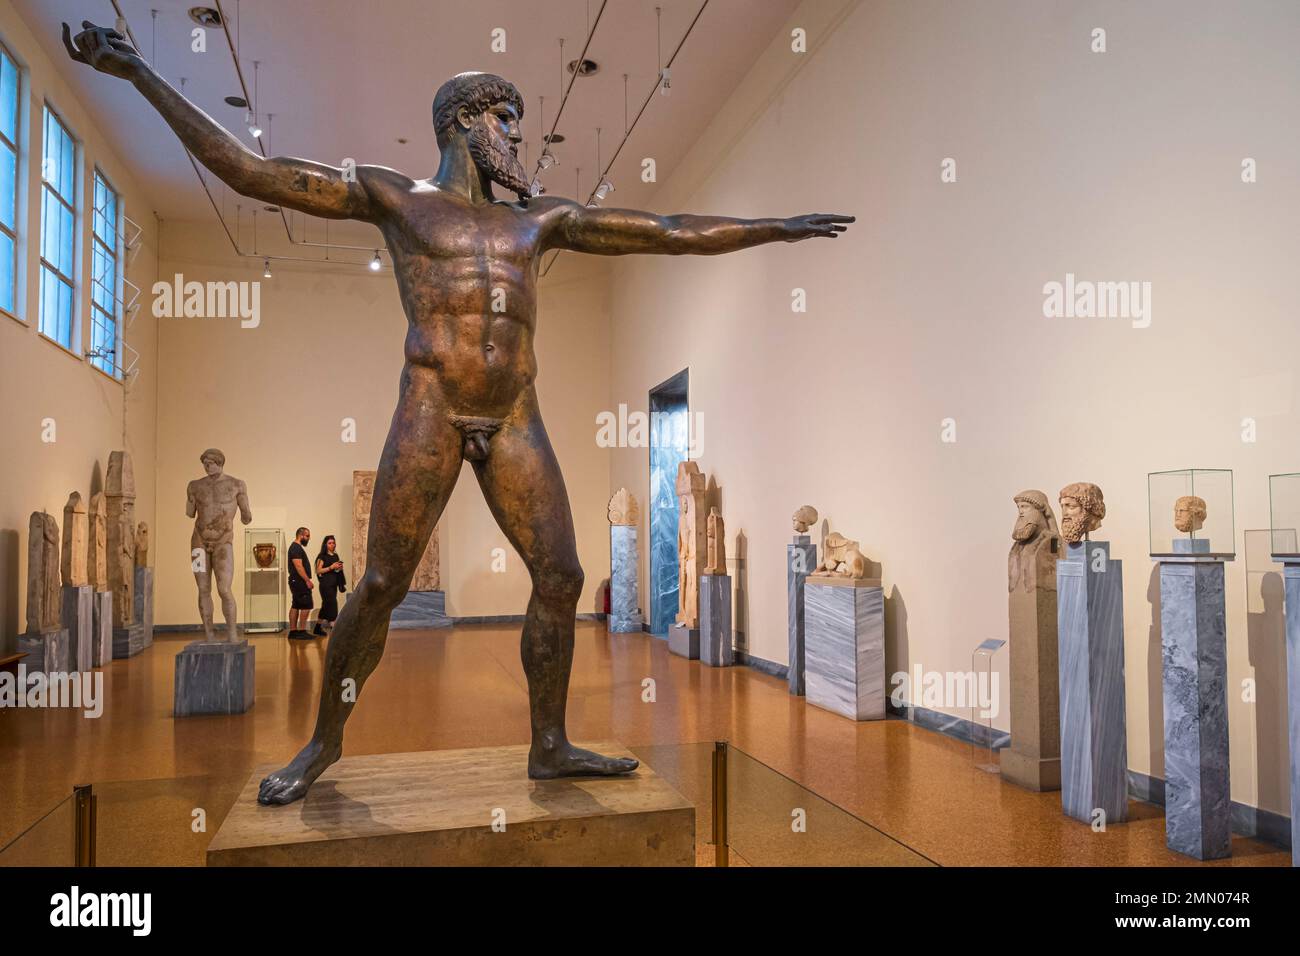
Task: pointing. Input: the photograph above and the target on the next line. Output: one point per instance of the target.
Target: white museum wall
(39, 379)
(255, 393)
(1120, 166)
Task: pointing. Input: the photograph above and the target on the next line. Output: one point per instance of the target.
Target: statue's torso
(216, 501)
(467, 275)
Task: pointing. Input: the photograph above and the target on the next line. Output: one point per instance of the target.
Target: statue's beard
(495, 160)
(1026, 529)
(1073, 529)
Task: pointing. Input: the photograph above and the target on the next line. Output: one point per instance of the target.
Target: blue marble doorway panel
(669, 445)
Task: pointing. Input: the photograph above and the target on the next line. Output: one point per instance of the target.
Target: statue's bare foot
(291, 783)
(570, 761)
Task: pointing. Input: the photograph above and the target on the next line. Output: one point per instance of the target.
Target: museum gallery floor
(464, 687)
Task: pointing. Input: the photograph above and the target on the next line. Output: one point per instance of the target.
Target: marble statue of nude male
(466, 265)
(212, 502)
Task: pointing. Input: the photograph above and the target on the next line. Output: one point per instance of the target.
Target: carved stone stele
(715, 536)
(97, 543)
(1034, 535)
(427, 574)
(691, 547)
(841, 558)
(142, 545)
(1082, 508)
(1189, 513)
(623, 509)
(804, 518)
(75, 553)
(119, 495)
(43, 593)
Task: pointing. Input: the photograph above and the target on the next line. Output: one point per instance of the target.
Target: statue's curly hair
(1088, 495)
(477, 91)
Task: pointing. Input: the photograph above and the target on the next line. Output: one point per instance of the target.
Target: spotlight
(547, 159)
(375, 263)
(536, 188)
(266, 268)
(666, 86)
(604, 189)
(254, 130)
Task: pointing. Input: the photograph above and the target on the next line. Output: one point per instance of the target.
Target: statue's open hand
(104, 49)
(825, 224)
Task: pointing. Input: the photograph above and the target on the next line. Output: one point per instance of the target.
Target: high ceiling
(350, 78)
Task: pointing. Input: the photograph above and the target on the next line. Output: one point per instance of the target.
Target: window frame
(114, 286)
(74, 344)
(16, 234)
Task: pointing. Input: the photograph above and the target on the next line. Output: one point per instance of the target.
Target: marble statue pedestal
(1033, 760)
(800, 561)
(439, 809)
(78, 612)
(1194, 658)
(844, 622)
(49, 652)
(1090, 632)
(1291, 581)
(213, 677)
(715, 621)
(624, 609)
(420, 609)
(684, 641)
(101, 628)
(130, 641)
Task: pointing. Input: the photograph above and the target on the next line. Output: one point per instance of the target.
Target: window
(10, 115)
(58, 231)
(104, 313)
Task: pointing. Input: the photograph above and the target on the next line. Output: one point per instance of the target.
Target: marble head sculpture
(1033, 516)
(1082, 509)
(804, 518)
(1189, 513)
(467, 388)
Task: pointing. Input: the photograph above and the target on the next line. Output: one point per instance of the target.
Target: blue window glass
(58, 231)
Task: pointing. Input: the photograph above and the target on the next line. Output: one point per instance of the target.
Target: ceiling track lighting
(266, 268)
(376, 263)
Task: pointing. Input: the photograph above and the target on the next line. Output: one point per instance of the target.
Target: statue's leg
(523, 486)
(223, 569)
(419, 467)
(203, 580)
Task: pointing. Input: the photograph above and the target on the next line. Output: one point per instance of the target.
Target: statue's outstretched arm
(309, 187)
(619, 232)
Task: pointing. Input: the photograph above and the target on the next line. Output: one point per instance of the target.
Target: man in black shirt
(300, 585)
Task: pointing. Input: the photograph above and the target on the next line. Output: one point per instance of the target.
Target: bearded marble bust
(1082, 509)
(1189, 513)
(1035, 543)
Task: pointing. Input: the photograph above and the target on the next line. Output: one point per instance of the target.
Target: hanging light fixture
(266, 268)
(376, 264)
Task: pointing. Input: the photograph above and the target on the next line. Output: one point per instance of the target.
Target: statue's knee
(560, 581)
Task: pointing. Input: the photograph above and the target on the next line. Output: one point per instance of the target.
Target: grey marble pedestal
(101, 628)
(78, 611)
(1291, 579)
(213, 677)
(49, 652)
(1194, 657)
(1090, 629)
(624, 609)
(684, 641)
(800, 561)
(420, 609)
(715, 620)
(845, 646)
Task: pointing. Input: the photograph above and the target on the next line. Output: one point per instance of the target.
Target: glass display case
(264, 580)
(1284, 514)
(1191, 513)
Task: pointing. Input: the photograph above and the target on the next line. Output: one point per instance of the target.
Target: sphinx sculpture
(841, 558)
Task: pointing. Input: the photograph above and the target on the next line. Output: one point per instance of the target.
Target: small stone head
(805, 516)
(213, 461)
(1034, 516)
(1189, 513)
(1082, 509)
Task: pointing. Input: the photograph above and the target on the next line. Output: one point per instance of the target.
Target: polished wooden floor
(884, 792)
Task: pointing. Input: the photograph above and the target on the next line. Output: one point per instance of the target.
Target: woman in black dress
(329, 572)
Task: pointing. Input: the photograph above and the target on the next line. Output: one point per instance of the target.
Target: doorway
(669, 446)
